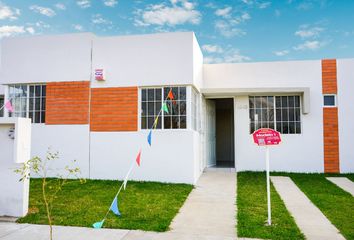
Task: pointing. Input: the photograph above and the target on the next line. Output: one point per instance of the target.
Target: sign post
(266, 137)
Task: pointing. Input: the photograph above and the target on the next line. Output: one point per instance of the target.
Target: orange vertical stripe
(330, 118)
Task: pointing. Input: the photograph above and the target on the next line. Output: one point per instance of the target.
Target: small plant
(50, 187)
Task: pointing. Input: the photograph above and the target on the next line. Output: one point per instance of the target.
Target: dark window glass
(329, 100)
(287, 113)
(151, 105)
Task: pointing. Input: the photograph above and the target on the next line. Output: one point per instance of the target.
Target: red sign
(99, 74)
(266, 136)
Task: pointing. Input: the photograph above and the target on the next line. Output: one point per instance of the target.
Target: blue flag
(114, 207)
(98, 224)
(149, 137)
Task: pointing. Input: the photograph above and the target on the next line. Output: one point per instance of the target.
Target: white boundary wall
(345, 102)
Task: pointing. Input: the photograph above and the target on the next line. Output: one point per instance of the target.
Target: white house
(104, 123)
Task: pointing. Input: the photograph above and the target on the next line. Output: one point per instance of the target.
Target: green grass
(148, 206)
(252, 210)
(336, 204)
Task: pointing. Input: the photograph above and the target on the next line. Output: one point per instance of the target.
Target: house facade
(102, 124)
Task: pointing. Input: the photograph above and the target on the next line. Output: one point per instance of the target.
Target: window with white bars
(194, 109)
(28, 101)
(151, 105)
(2, 106)
(277, 112)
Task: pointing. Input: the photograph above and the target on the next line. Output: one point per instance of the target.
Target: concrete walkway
(344, 183)
(311, 221)
(208, 214)
(211, 207)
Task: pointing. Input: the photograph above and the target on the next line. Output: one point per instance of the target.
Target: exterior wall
(104, 136)
(46, 58)
(144, 60)
(112, 153)
(61, 100)
(197, 64)
(345, 100)
(71, 141)
(298, 152)
(114, 109)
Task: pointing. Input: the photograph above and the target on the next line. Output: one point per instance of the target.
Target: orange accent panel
(67, 102)
(330, 118)
(329, 76)
(331, 140)
(114, 109)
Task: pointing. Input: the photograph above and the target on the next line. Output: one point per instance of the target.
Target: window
(2, 106)
(28, 101)
(194, 109)
(329, 100)
(151, 100)
(151, 104)
(277, 112)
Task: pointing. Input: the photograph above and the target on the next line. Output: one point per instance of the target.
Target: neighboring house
(103, 124)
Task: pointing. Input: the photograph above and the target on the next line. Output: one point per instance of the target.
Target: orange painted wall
(330, 118)
(67, 102)
(114, 109)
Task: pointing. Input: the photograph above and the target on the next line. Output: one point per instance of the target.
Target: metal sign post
(268, 187)
(266, 137)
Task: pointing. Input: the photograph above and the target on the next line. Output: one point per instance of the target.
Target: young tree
(50, 187)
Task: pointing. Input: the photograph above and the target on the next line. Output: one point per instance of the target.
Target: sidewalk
(208, 214)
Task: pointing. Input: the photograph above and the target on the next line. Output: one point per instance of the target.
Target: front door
(224, 109)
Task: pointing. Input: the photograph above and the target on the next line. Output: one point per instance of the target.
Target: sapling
(40, 168)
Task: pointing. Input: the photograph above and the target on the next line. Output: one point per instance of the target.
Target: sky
(227, 30)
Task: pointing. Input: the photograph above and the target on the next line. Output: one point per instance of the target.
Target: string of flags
(114, 205)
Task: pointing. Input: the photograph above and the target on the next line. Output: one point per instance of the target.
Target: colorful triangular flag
(138, 157)
(149, 137)
(114, 207)
(165, 107)
(170, 95)
(98, 224)
(126, 177)
(8, 106)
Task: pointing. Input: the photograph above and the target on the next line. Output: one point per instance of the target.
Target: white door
(210, 134)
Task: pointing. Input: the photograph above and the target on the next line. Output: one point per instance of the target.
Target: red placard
(99, 74)
(266, 136)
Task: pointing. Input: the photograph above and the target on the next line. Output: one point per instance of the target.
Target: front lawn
(336, 204)
(252, 210)
(149, 206)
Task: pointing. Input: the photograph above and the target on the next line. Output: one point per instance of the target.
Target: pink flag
(8, 106)
(138, 158)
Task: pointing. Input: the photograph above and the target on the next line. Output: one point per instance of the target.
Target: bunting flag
(165, 107)
(139, 155)
(114, 207)
(149, 137)
(170, 95)
(98, 224)
(155, 122)
(8, 106)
